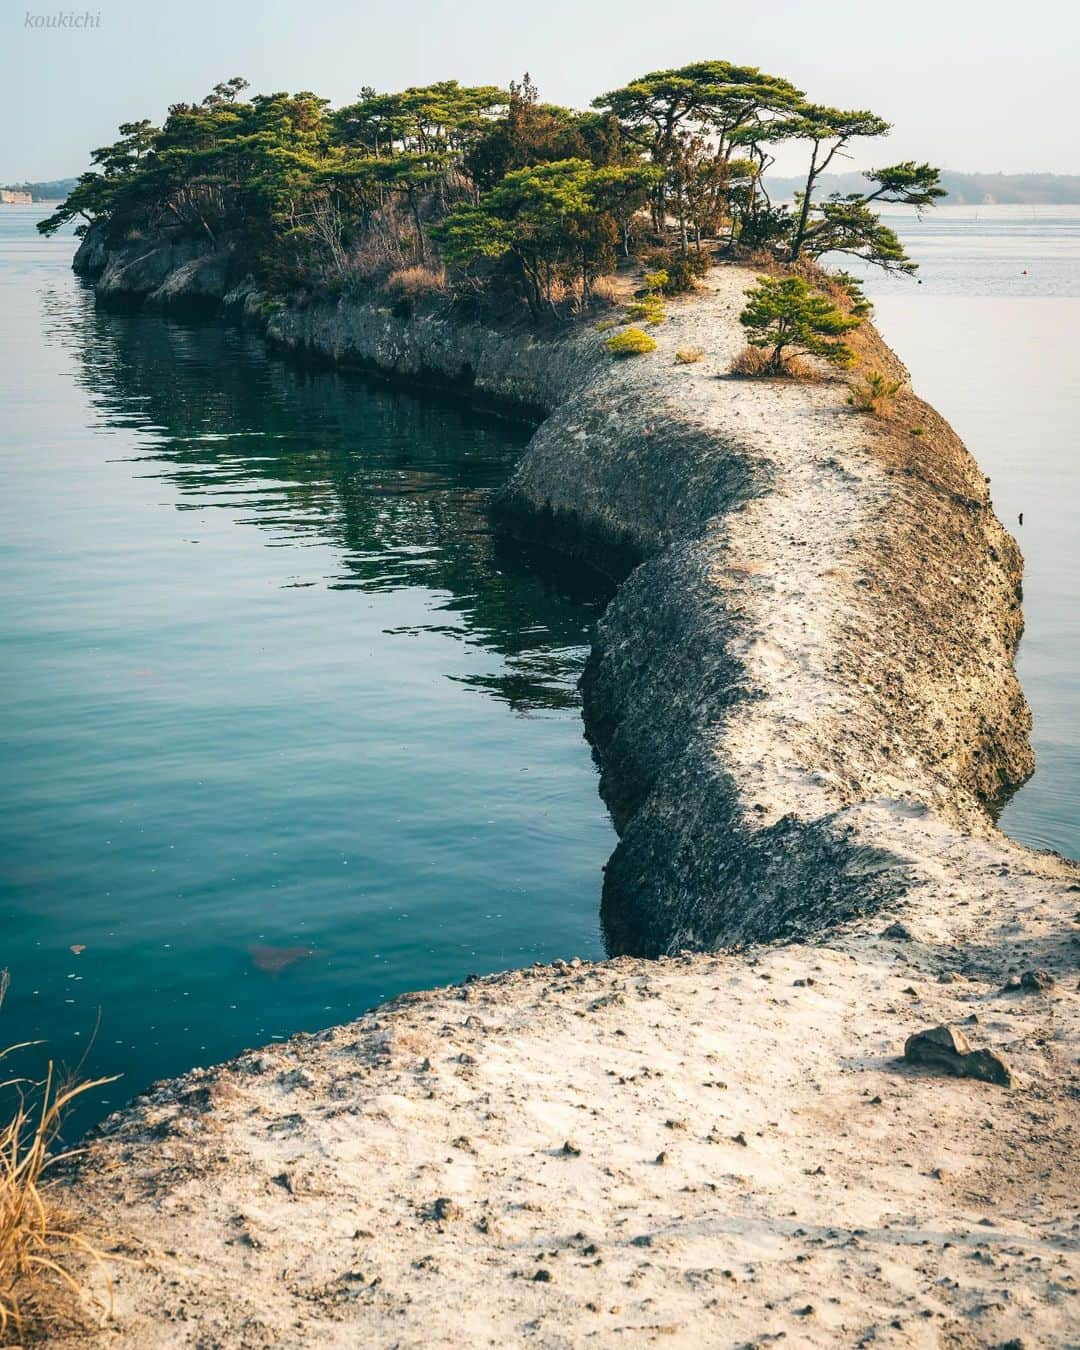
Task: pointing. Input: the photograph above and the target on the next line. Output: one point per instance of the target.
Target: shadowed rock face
(163, 272)
(812, 643)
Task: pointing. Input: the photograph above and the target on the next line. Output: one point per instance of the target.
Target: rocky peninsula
(803, 702)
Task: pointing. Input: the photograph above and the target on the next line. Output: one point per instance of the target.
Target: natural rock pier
(803, 702)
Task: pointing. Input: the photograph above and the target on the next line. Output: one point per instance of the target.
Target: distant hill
(964, 189)
(53, 191)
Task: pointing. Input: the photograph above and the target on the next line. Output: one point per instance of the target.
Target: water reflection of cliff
(396, 485)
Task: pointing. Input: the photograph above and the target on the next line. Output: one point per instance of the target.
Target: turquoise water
(268, 682)
(990, 338)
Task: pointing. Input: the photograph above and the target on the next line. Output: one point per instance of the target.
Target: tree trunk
(804, 211)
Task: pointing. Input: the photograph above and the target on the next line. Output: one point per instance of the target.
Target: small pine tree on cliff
(786, 316)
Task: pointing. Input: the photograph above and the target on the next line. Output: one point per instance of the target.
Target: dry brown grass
(606, 291)
(756, 362)
(688, 356)
(416, 282)
(41, 1255)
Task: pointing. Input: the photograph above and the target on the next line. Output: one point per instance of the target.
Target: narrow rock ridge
(814, 641)
(815, 648)
(802, 697)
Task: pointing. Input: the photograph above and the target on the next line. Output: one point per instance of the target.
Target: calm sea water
(991, 340)
(268, 682)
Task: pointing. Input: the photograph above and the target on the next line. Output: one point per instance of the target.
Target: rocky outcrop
(166, 272)
(93, 252)
(803, 702)
(812, 645)
(814, 640)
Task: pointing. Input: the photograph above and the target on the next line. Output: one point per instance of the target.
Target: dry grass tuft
(688, 356)
(415, 282)
(38, 1246)
(751, 361)
(606, 290)
(756, 362)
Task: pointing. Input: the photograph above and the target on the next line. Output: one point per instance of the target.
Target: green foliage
(786, 316)
(102, 190)
(852, 288)
(532, 132)
(471, 232)
(763, 225)
(845, 223)
(689, 122)
(555, 223)
(650, 309)
(442, 118)
(632, 342)
(682, 270)
(509, 189)
(874, 392)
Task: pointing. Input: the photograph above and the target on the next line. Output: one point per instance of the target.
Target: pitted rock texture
(823, 613)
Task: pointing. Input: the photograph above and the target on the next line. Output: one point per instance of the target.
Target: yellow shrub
(414, 282)
(631, 343)
(651, 309)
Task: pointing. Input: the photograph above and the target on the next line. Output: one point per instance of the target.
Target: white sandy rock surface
(703, 1150)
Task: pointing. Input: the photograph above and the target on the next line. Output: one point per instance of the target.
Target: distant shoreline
(963, 189)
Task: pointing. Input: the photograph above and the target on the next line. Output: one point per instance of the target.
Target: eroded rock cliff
(803, 701)
(814, 638)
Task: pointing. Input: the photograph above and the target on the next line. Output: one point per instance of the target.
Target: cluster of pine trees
(504, 189)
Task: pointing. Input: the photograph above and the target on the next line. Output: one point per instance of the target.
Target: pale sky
(968, 84)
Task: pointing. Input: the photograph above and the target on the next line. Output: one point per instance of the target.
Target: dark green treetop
(786, 316)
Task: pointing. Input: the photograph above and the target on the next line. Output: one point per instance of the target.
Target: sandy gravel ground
(704, 1150)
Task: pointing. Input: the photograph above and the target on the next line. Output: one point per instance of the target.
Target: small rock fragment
(947, 1049)
(443, 1210)
(1038, 980)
